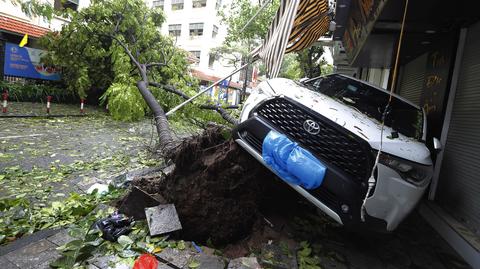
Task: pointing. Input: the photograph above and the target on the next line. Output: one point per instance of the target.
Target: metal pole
(203, 91)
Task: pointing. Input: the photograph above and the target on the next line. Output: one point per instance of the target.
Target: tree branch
(169, 88)
(141, 69)
(225, 115)
(155, 64)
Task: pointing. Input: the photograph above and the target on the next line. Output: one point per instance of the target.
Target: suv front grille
(333, 144)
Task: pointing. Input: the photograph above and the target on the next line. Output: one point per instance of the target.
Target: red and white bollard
(49, 99)
(5, 102)
(82, 101)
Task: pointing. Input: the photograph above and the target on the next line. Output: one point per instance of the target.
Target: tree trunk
(166, 140)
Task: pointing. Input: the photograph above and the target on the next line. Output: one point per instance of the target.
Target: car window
(402, 117)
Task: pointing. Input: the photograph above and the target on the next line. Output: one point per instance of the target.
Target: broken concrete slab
(244, 263)
(162, 219)
(208, 261)
(135, 203)
(275, 257)
(179, 258)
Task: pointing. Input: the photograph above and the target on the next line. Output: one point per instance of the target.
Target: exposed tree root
(216, 188)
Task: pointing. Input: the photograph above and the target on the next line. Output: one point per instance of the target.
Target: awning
(21, 28)
(296, 26)
(311, 22)
(205, 77)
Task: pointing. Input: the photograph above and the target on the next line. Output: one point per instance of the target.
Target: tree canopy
(93, 51)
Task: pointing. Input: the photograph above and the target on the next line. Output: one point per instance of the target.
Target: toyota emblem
(311, 127)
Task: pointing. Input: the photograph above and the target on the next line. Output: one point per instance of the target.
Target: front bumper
(339, 196)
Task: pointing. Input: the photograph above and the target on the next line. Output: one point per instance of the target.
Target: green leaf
(95, 243)
(76, 232)
(124, 240)
(181, 245)
(193, 264)
(73, 245)
(63, 262)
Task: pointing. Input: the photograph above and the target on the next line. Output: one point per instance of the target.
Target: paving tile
(244, 263)
(209, 261)
(179, 258)
(60, 238)
(162, 219)
(108, 262)
(34, 255)
(6, 264)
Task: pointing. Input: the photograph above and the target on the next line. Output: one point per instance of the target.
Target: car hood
(353, 120)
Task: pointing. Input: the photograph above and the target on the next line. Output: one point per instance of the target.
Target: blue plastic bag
(292, 163)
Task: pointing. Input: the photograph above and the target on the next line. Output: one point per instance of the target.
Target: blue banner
(25, 62)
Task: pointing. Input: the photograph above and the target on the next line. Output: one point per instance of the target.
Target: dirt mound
(216, 188)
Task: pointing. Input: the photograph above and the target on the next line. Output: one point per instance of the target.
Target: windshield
(402, 117)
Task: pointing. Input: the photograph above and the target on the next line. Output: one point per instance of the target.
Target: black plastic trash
(113, 226)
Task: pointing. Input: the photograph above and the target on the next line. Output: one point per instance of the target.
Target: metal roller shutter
(413, 76)
(459, 182)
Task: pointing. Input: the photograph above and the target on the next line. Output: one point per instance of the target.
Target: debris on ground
(114, 226)
(244, 263)
(135, 202)
(99, 188)
(122, 181)
(146, 261)
(162, 219)
(225, 202)
(278, 256)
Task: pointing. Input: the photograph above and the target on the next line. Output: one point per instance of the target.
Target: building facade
(439, 70)
(198, 29)
(194, 24)
(14, 24)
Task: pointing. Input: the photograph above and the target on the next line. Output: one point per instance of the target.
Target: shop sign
(363, 14)
(25, 62)
(435, 85)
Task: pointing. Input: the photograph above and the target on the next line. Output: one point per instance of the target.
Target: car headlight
(412, 172)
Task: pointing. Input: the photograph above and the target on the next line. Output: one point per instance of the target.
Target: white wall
(15, 12)
(206, 15)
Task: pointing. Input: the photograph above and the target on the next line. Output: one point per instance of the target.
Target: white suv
(337, 120)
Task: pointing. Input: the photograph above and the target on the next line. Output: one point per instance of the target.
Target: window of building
(175, 29)
(211, 60)
(199, 3)
(214, 31)
(177, 4)
(158, 4)
(196, 29)
(62, 4)
(196, 53)
(218, 4)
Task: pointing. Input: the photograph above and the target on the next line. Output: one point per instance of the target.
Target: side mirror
(437, 145)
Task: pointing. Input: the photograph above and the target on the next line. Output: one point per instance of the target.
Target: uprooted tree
(102, 50)
(214, 185)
